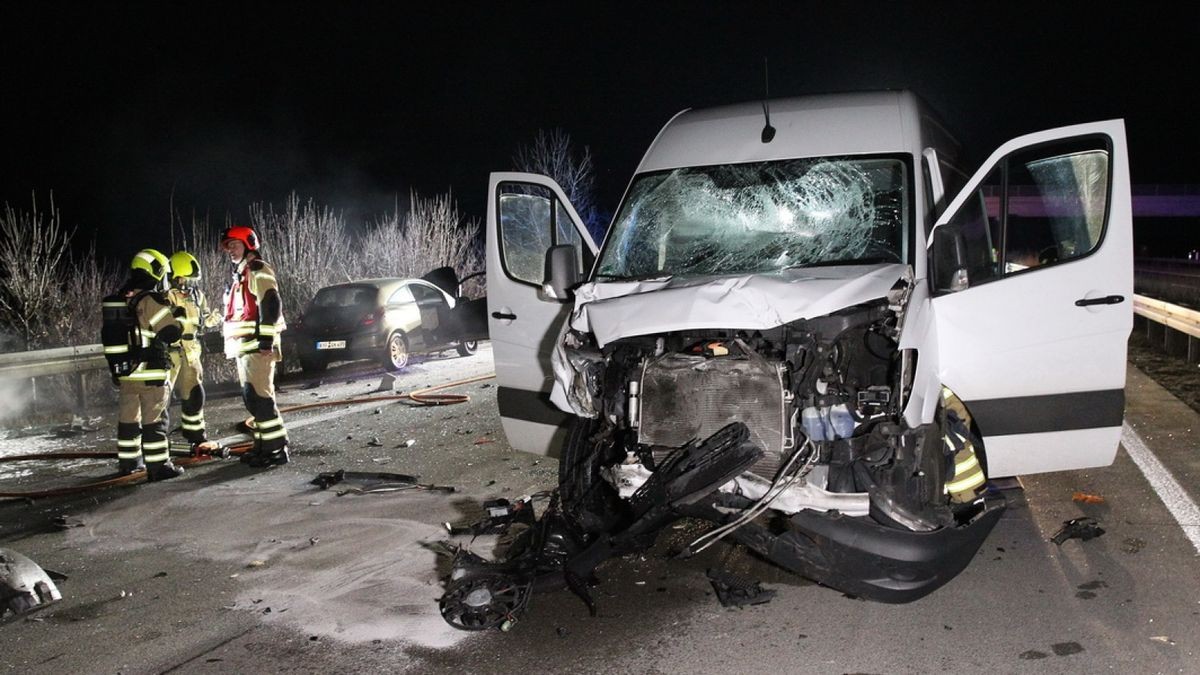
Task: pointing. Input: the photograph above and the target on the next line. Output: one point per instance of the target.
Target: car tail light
(371, 318)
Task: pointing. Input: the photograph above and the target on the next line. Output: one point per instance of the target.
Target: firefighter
(253, 324)
(138, 326)
(187, 374)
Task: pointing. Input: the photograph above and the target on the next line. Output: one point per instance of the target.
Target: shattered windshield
(760, 217)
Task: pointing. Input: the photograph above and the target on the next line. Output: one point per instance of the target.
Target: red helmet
(243, 234)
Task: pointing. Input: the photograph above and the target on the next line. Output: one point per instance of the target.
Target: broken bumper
(862, 558)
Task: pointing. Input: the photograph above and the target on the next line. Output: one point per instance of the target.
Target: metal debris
(1078, 528)
(1087, 498)
(370, 481)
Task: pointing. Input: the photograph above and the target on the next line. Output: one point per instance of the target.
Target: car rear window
(344, 296)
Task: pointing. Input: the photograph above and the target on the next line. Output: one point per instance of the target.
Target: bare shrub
(76, 319)
(431, 234)
(33, 248)
(553, 154)
(307, 245)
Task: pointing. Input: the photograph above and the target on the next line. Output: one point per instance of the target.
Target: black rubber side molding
(1052, 412)
(529, 406)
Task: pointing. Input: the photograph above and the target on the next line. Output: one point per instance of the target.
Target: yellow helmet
(151, 262)
(184, 264)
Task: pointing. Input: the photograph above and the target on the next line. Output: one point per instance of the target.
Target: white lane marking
(1181, 506)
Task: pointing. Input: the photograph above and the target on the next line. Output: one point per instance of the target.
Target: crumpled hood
(614, 310)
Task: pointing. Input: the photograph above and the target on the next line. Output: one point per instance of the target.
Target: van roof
(807, 126)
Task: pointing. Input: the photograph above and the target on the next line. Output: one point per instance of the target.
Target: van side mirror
(949, 260)
(562, 272)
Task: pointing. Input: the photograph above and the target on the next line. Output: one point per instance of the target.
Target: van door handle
(504, 316)
(1106, 300)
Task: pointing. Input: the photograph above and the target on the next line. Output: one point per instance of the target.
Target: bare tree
(307, 245)
(33, 248)
(431, 234)
(553, 154)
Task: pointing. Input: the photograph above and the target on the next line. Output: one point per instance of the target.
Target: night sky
(117, 107)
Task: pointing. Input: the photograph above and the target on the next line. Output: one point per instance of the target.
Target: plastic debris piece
(67, 522)
(483, 441)
(1083, 529)
(1163, 639)
(257, 563)
(1087, 498)
(374, 442)
(24, 586)
(410, 442)
(735, 591)
(387, 382)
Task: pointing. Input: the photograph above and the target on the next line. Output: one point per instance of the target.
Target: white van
(854, 331)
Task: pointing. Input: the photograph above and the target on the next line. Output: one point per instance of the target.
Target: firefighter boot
(127, 466)
(162, 471)
(268, 458)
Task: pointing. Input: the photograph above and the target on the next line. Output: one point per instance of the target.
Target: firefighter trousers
(256, 373)
(142, 422)
(188, 376)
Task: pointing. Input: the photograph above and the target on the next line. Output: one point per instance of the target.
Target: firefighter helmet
(151, 262)
(184, 264)
(243, 234)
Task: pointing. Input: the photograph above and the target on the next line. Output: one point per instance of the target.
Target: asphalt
(233, 570)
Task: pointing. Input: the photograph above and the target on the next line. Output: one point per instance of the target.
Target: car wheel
(589, 499)
(313, 364)
(467, 348)
(395, 354)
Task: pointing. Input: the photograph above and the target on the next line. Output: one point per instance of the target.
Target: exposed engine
(822, 395)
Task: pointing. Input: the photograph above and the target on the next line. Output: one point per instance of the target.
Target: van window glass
(761, 217)
(1057, 202)
(526, 230)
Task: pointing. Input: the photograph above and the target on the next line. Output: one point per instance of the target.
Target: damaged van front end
(844, 491)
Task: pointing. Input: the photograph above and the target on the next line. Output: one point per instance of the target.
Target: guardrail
(61, 361)
(1178, 327)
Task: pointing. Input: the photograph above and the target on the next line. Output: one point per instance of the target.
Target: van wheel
(313, 364)
(467, 348)
(586, 497)
(395, 354)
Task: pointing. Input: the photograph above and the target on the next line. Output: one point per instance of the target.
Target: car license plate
(332, 344)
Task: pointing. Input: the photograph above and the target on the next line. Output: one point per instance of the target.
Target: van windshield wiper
(840, 263)
(635, 277)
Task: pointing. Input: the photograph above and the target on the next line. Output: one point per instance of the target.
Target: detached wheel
(589, 499)
(395, 354)
(467, 347)
(313, 364)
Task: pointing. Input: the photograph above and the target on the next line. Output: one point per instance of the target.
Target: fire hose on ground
(429, 396)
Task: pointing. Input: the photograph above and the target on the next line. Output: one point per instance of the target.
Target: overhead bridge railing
(1177, 327)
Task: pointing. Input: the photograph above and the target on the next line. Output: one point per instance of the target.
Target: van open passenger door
(1031, 268)
(526, 215)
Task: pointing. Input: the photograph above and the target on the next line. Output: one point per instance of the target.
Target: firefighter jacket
(138, 327)
(194, 315)
(253, 309)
